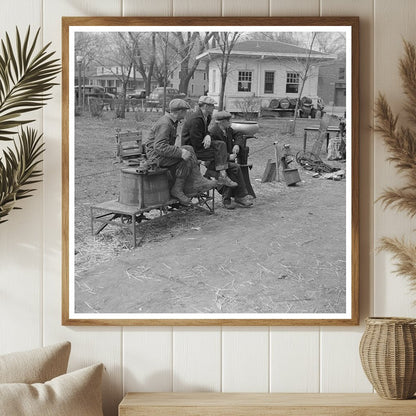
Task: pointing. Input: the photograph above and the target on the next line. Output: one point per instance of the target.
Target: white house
(263, 70)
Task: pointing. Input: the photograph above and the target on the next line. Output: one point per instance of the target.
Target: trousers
(216, 153)
(180, 168)
(236, 175)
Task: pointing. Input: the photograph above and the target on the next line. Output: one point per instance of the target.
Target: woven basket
(388, 356)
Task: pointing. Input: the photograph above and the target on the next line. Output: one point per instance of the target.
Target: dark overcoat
(195, 129)
(230, 137)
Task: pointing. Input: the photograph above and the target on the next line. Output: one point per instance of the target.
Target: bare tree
(117, 57)
(86, 47)
(331, 42)
(166, 59)
(188, 45)
(165, 39)
(144, 58)
(304, 75)
(324, 42)
(286, 37)
(226, 42)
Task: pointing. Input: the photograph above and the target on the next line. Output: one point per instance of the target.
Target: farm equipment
(305, 107)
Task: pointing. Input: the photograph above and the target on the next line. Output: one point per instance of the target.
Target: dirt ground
(286, 254)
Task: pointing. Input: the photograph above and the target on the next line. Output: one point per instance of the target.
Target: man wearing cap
(195, 132)
(181, 161)
(222, 131)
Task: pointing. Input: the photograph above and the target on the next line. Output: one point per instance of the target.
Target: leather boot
(204, 184)
(177, 192)
(196, 183)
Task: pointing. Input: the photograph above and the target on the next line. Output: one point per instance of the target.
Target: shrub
(249, 107)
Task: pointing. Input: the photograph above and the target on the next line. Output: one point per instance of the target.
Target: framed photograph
(210, 171)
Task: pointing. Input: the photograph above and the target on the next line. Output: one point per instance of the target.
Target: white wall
(258, 68)
(261, 359)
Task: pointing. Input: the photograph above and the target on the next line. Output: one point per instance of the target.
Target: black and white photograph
(210, 173)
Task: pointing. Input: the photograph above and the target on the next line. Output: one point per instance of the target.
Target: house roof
(269, 48)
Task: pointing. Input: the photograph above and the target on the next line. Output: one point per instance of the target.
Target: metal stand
(242, 159)
(130, 216)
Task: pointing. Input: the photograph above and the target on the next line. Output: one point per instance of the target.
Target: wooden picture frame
(96, 294)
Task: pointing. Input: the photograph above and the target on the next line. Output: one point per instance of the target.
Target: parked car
(111, 92)
(156, 97)
(95, 91)
(137, 94)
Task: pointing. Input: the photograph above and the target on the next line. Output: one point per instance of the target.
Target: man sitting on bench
(181, 161)
(195, 132)
(222, 131)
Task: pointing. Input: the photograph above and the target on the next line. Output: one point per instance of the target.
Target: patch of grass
(97, 175)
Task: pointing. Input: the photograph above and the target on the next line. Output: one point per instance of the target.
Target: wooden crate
(129, 145)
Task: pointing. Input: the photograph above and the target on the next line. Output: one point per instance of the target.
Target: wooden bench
(129, 214)
(262, 404)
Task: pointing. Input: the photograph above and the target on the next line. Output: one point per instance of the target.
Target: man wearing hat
(181, 161)
(222, 131)
(195, 132)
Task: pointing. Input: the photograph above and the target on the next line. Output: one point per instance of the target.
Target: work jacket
(161, 140)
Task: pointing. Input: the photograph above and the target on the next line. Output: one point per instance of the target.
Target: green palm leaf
(18, 169)
(25, 79)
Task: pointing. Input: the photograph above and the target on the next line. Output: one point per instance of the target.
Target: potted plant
(388, 345)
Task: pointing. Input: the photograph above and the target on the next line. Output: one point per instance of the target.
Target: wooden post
(278, 161)
(317, 146)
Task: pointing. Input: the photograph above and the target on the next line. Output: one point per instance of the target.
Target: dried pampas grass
(401, 143)
(405, 255)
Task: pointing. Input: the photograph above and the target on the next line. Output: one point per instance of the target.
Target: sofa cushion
(35, 366)
(73, 394)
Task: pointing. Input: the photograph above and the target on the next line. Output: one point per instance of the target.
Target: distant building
(331, 83)
(198, 84)
(112, 78)
(264, 70)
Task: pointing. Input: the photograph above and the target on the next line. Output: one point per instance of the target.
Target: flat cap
(178, 104)
(204, 99)
(222, 115)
